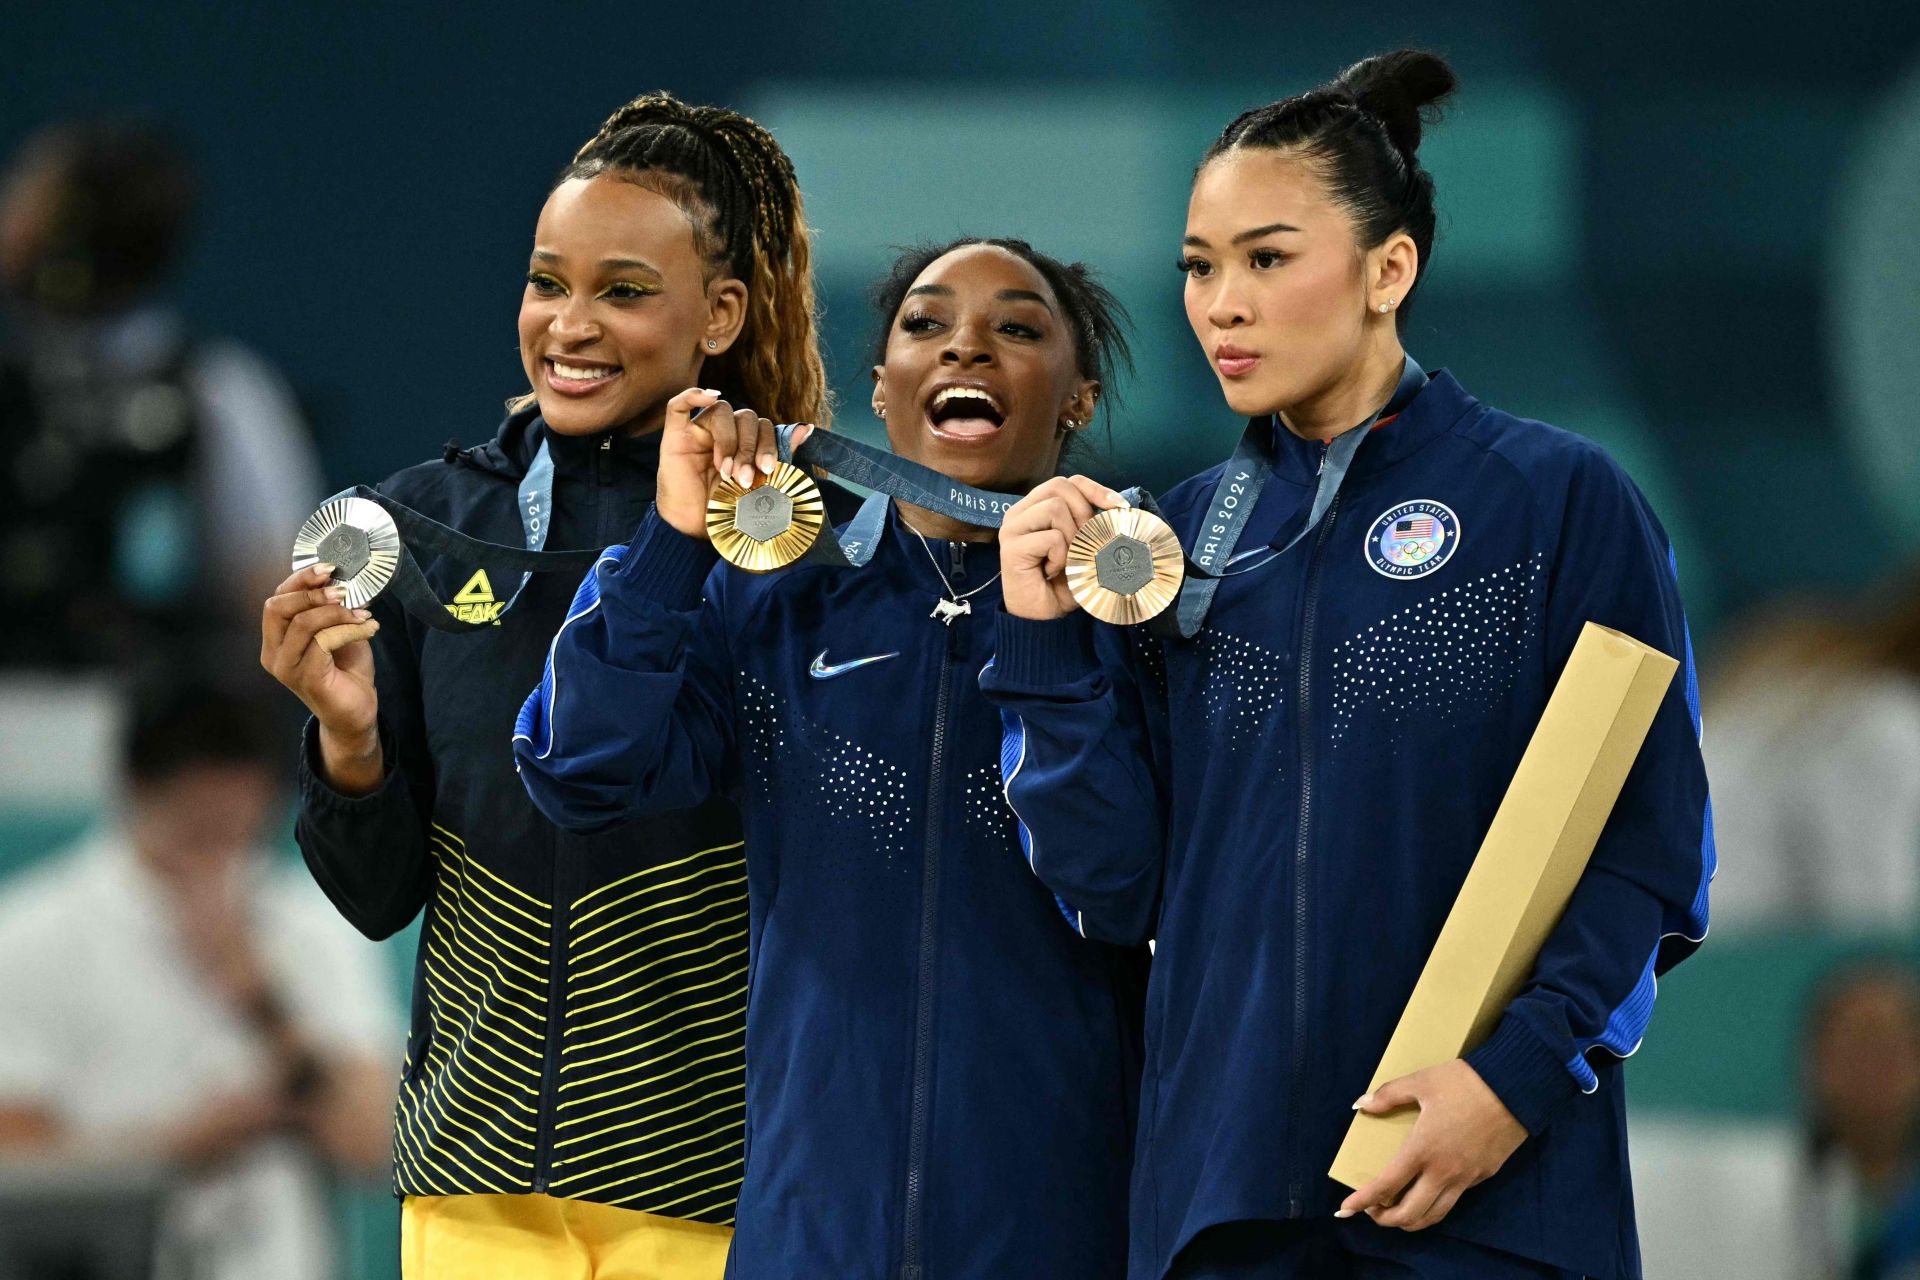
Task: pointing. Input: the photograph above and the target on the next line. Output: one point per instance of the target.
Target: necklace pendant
(948, 610)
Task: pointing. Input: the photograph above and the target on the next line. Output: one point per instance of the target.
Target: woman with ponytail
(572, 1097)
(1287, 789)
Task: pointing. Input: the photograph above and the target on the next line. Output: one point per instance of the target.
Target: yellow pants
(533, 1237)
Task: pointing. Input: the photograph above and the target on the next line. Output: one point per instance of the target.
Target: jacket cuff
(318, 793)
(1525, 1074)
(1037, 655)
(666, 566)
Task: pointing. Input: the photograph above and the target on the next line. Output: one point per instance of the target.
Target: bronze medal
(1125, 566)
(359, 539)
(769, 526)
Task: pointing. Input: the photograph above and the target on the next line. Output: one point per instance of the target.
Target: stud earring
(1383, 308)
(715, 346)
(881, 412)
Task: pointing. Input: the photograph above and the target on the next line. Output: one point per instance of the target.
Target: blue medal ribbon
(1212, 559)
(890, 476)
(1234, 497)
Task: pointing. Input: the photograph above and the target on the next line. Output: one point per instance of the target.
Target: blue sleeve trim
(535, 721)
(1627, 1025)
(1695, 927)
(1013, 758)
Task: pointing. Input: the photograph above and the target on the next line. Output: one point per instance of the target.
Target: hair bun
(1404, 89)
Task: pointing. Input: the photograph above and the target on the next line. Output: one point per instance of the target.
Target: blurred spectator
(170, 996)
(149, 474)
(1861, 1072)
(1813, 745)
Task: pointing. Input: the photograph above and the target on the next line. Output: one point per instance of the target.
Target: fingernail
(361, 615)
(1120, 499)
(1364, 1099)
(336, 594)
(1344, 1213)
(712, 392)
(766, 466)
(325, 570)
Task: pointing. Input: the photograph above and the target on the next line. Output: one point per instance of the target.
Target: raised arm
(635, 709)
(1077, 760)
(366, 778)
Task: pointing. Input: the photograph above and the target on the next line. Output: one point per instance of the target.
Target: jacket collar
(905, 556)
(1440, 405)
(514, 445)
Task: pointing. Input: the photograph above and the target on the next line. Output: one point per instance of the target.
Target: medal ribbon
(1239, 490)
(429, 537)
(890, 476)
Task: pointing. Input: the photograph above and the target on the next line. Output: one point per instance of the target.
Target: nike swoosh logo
(821, 671)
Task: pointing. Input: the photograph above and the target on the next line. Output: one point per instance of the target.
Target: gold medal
(769, 526)
(1125, 566)
(357, 537)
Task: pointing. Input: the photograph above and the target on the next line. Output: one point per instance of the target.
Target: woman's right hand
(317, 647)
(705, 438)
(1033, 544)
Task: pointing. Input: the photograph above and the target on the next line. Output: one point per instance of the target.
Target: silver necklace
(954, 605)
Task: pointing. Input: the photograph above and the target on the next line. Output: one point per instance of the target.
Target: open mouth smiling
(965, 412)
(572, 376)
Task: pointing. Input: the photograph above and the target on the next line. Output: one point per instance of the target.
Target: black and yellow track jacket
(578, 1001)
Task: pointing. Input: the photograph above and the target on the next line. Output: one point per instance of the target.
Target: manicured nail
(1344, 1213)
(766, 465)
(361, 615)
(336, 594)
(325, 570)
(712, 392)
(1119, 499)
(1364, 1099)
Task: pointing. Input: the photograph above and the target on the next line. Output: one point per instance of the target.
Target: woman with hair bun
(1288, 793)
(942, 1073)
(572, 1098)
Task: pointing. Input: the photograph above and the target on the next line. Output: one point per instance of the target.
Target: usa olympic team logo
(1413, 539)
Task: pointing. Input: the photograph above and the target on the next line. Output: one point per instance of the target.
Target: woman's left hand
(1463, 1136)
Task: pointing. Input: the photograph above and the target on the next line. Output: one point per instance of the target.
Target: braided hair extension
(1363, 132)
(738, 189)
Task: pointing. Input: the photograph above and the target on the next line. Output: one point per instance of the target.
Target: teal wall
(1639, 241)
(1637, 204)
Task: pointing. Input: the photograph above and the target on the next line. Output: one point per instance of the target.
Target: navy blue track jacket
(1290, 802)
(941, 1075)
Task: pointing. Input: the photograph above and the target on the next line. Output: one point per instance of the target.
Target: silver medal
(359, 538)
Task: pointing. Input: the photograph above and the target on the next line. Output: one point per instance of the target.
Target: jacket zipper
(911, 1267)
(1296, 1197)
(543, 1161)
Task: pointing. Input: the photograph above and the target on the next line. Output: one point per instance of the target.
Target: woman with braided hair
(572, 1097)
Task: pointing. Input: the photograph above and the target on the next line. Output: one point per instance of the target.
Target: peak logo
(474, 602)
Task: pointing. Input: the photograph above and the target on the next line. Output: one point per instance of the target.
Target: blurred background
(1690, 231)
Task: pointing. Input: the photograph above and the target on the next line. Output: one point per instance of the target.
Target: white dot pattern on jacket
(854, 790)
(1151, 659)
(1243, 688)
(1451, 656)
(985, 804)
